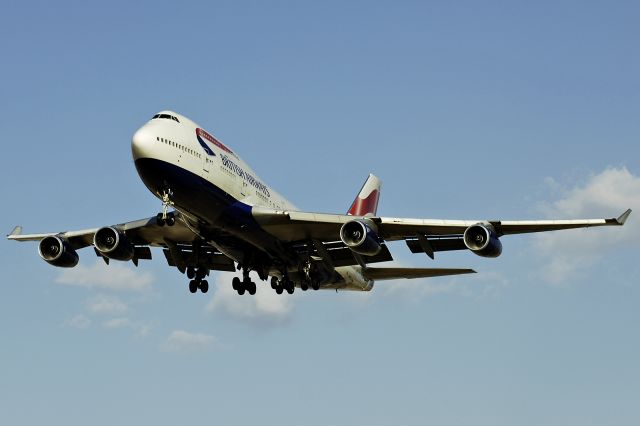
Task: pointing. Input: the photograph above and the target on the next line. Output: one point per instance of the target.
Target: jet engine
(57, 252)
(113, 244)
(359, 235)
(481, 239)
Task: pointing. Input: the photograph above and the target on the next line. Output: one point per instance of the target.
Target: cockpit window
(167, 116)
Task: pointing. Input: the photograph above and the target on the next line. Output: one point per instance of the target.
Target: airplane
(218, 215)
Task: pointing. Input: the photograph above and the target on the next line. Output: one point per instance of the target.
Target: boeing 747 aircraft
(217, 213)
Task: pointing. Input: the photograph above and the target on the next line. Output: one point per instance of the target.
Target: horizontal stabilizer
(395, 273)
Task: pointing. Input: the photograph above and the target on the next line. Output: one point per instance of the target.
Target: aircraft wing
(443, 234)
(139, 232)
(177, 241)
(397, 228)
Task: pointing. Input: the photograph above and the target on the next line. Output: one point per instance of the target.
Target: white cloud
(184, 341)
(117, 323)
(79, 321)
(265, 309)
(140, 329)
(604, 195)
(106, 305)
(421, 287)
(115, 276)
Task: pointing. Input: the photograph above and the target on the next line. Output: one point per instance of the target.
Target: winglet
(16, 231)
(623, 217)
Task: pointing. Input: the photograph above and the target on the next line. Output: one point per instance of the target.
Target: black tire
(193, 286)
(315, 286)
(252, 288)
(304, 286)
(279, 289)
(204, 286)
(159, 220)
(241, 291)
(274, 283)
(171, 220)
(290, 288)
(191, 273)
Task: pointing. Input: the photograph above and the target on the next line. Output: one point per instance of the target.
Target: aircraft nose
(141, 143)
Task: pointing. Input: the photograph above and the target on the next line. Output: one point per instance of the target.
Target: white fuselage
(177, 143)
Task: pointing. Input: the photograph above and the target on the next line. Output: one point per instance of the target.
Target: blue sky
(496, 110)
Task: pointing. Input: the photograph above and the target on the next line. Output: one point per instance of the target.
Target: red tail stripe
(363, 206)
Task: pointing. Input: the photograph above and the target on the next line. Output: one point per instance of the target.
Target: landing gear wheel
(274, 283)
(315, 286)
(171, 219)
(204, 286)
(241, 291)
(191, 273)
(235, 283)
(279, 289)
(201, 273)
(193, 286)
(251, 288)
(159, 220)
(304, 286)
(290, 287)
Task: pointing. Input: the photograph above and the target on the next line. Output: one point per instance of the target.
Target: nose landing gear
(166, 217)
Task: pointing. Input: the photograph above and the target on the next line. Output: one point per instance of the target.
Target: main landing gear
(280, 285)
(246, 285)
(166, 217)
(197, 279)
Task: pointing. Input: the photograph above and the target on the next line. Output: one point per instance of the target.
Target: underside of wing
(395, 273)
(133, 240)
(336, 254)
(139, 232)
(528, 226)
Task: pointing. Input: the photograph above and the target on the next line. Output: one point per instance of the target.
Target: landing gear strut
(198, 282)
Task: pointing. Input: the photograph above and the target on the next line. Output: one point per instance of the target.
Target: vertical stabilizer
(366, 203)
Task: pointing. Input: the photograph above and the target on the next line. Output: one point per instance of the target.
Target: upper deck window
(167, 116)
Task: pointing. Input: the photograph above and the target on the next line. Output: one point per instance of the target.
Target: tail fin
(366, 203)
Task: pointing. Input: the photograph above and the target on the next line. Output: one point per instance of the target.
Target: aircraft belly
(201, 198)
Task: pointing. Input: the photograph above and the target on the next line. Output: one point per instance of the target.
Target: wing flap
(212, 260)
(343, 256)
(437, 243)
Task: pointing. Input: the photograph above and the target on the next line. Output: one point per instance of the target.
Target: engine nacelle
(481, 239)
(113, 244)
(57, 252)
(359, 236)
